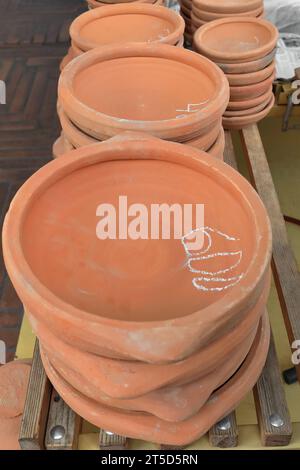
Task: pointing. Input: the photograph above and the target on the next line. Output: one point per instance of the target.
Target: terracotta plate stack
(204, 11)
(151, 338)
(165, 91)
(96, 4)
(186, 13)
(244, 49)
(118, 24)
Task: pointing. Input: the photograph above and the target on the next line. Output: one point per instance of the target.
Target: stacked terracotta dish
(244, 49)
(122, 23)
(96, 4)
(162, 90)
(152, 338)
(186, 13)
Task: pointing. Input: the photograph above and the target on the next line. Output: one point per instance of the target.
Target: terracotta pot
(217, 149)
(243, 121)
(224, 40)
(61, 146)
(239, 93)
(249, 111)
(120, 23)
(211, 16)
(142, 322)
(248, 67)
(250, 103)
(107, 110)
(228, 6)
(149, 428)
(242, 79)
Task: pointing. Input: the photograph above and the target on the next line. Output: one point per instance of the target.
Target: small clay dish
(249, 111)
(251, 103)
(121, 23)
(246, 92)
(217, 149)
(236, 39)
(232, 7)
(242, 79)
(248, 67)
(210, 16)
(243, 121)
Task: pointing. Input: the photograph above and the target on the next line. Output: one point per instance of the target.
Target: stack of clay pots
(96, 4)
(118, 24)
(145, 337)
(244, 48)
(186, 13)
(204, 11)
(162, 90)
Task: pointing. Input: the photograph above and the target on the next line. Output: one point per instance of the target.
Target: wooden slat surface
(225, 433)
(108, 441)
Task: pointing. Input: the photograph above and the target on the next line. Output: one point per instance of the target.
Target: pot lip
(220, 7)
(231, 56)
(122, 9)
(115, 125)
(37, 293)
(243, 120)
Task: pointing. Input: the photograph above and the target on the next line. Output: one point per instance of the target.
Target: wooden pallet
(49, 423)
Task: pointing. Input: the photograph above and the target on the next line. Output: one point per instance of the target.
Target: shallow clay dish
(145, 100)
(242, 121)
(96, 4)
(61, 146)
(131, 379)
(210, 16)
(126, 23)
(248, 67)
(72, 133)
(251, 78)
(217, 149)
(207, 140)
(149, 428)
(247, 112)
(251, 103)
(124, 307)
(246, 92)
(236, 39)
(228, 6)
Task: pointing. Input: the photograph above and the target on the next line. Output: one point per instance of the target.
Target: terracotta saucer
(14, 378)
(157, 108)
(236, 39)
(207, 140)
(118, 300)
(185, 11)
(228, 6)
(140, 378)
(242, 121)
(248, 67)
(249, 111)
(251, 103)
(61, 146)
(246, 92)
(217, 149)
(242, 79)
(97, 4)
(152, 429)
(211, 16)
(121, 23)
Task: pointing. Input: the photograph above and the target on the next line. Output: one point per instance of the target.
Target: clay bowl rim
(109, 126)
(237, 56)
(36, 293)
(122, 9)
(217, 7)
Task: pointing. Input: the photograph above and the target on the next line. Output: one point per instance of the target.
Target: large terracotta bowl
(126, 23)
(113, 296)
(236, 39)
(145, 99)
(149, 428)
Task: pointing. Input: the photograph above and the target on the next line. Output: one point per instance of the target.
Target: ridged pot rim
(36, 296)
(106, 126)
(219, 56)
(88, 17)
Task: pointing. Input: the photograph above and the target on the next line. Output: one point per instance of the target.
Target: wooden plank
(229, 155)
(63, 426)
(110, 441)
(284, 265)
(224, 434)
(33, 425)
(270, 402)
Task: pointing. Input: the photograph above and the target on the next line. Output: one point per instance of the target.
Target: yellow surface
(282, 151)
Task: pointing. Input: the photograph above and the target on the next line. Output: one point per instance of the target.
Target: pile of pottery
(147, 337)
(122, 23)
(244, 48)
(96, 4)
(162, 90)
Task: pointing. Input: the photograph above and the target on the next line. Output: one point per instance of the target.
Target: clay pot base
(236, 39)
(149, 428)
(243, 121)
(131, 379)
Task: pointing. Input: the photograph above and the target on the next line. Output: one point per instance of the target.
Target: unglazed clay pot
(228, 6)
(146, 100)
(250, 103)
(149, 428)
(251, 78)
(111, 297)
(248, 67)
(242, 121)
(122, 23)
(236, 39)
(246, 92)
